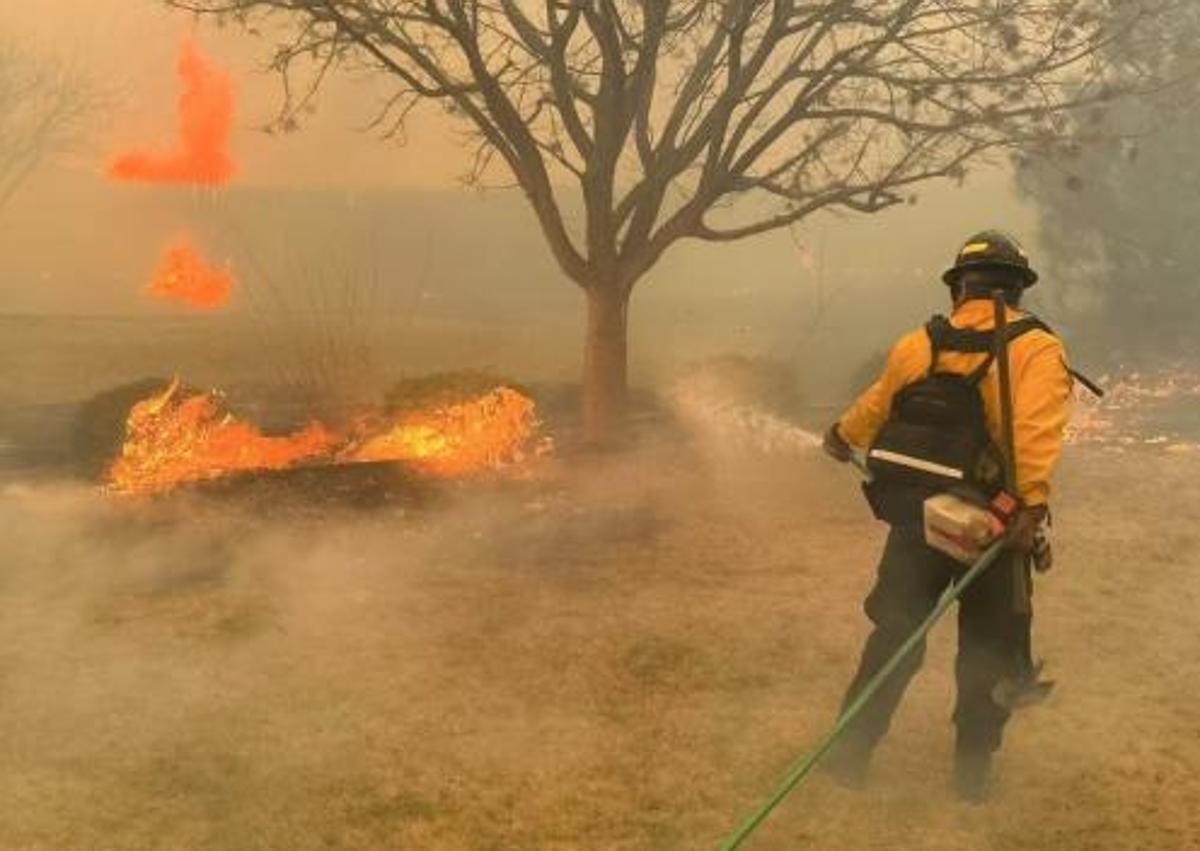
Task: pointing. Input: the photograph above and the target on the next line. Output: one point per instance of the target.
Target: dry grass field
(620, 655)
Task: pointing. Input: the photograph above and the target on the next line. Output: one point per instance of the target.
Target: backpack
(935, 439)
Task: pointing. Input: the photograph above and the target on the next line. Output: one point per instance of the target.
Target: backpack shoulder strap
(971, 341)
(986, 339)
(976, 375)
(1026, 324)
(945, 337)
(1032, 323)
(938, 330)
(966, 340)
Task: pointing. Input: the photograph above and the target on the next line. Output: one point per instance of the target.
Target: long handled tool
(1004, 373)
(1024, 689)
(805, 765)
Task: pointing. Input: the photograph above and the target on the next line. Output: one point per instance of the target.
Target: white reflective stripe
(917, 463)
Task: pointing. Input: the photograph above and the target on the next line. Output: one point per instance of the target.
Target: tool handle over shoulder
(1004, 373)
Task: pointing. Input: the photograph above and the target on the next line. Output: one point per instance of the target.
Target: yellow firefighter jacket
(1041, 388)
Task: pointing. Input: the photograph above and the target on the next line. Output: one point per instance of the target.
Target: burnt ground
(624, 655)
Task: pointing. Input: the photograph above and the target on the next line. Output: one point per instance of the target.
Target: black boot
(972, 775)
(847, 763)
(1027, 689)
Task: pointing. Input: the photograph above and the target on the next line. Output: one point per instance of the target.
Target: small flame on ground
(201, 155)
(184, 276)
(176, 437)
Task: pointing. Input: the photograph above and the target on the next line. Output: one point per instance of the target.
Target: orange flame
(184, 276)
(483, 433)
(174, 437)
(205, 118)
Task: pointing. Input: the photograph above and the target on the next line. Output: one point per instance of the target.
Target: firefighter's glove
(1023, 528)
(835, 446)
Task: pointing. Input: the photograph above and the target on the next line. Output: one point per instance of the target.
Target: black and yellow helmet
(991, 249)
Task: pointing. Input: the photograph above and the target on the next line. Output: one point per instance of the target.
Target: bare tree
(704, 119)
(43, 106)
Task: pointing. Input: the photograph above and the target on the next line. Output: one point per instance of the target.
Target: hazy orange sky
(72, 240)
(129, 48)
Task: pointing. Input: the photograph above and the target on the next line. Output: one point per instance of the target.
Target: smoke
(207, 673)
(623, 654)
(173, 669)
(202, 154)
(186, 277)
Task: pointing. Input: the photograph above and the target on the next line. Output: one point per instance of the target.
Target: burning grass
(177, 436)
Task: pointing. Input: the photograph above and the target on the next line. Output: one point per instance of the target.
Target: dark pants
(912, 577)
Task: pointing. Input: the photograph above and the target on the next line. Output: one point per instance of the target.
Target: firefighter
(912, 575)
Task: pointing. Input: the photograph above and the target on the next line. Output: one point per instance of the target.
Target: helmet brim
(950, 276)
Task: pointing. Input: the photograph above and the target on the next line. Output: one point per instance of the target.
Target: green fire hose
(805, 765)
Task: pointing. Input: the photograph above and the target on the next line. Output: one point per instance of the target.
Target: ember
(177, 436)
(1140, 409)
(184, 276)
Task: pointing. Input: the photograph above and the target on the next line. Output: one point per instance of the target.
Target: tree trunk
(604, 366)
